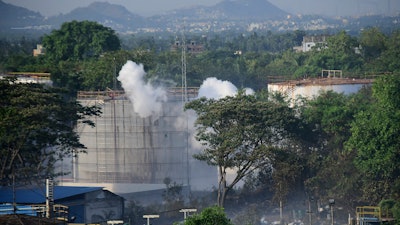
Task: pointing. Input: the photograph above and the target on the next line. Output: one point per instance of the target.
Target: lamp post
(148, 217)
(331, 203)
(186, 212)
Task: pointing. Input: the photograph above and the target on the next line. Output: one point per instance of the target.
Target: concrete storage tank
(310, 88)
(127, 153)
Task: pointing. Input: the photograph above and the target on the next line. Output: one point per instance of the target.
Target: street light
(331, 203)
(148, 217)
(186, 212)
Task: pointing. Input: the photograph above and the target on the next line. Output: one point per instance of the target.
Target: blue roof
(38, 195)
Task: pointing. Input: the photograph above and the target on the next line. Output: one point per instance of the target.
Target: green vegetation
(375, 140)
(337, 146)
(241, 133)
(209, 216)
(36, 131)
(80, 40)
(81, 53)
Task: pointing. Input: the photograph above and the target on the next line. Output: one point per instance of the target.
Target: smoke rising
(146, 99)
(216, 89)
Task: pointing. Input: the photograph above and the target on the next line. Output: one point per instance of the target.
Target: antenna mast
(184, 83)
(185, 100)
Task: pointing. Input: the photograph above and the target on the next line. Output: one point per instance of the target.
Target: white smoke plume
(216, 89)
(146, 99)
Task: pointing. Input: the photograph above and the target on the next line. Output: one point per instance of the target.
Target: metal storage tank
(128, 153)
(310, 88)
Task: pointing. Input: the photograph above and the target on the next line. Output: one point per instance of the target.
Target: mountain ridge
(228, 15)
(120, 18)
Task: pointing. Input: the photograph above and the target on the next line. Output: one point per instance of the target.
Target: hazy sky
(151, 7)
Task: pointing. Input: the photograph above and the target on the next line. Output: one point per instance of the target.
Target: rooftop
(38, 195)
(323, 81)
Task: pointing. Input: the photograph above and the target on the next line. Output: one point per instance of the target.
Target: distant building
(39, 50)
(29, 77)
(192, 47)
(309, 42)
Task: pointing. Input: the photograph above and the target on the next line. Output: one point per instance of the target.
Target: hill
(15, 17)
(111, 15)
(249, 10)
(120, 19)
(227, 15)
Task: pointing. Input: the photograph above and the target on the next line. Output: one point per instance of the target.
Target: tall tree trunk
(221, 187)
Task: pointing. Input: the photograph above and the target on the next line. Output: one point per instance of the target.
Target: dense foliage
(80, 53)
(375, 140)
(351, 148)
(36, 131)
(209, 216)
(79, 40)
(242, 133)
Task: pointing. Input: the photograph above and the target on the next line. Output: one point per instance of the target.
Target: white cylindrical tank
(310, 88)
(126, 151)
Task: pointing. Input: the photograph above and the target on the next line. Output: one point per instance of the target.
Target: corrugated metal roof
(38, 195)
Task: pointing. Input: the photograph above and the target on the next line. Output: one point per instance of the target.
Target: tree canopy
(36, 130)
(77, 40)
(375, 139)
(209, 216)
(240, 133)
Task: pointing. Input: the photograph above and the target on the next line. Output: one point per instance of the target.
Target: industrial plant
(129, 153)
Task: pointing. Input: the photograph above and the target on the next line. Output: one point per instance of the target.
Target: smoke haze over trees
(354, 144)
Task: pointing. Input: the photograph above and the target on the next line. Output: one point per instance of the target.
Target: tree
(73, 42)
(331, 114)
(250, 215)
(240, 133)
(337, 54)
(209, 216)
(375, 140)
(172, 195)
(77, 40)
(373, 43)
(389, 59)
(101, 73)
(286, 64)
(36, 131)
(134, 212)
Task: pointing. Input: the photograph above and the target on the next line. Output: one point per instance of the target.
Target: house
(84, 204)
(309, 42)
(39, 50)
